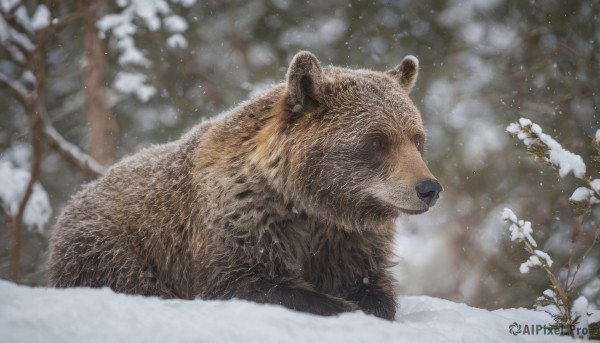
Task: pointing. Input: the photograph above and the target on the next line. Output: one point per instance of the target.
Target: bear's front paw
(379, 304)
(332, 306)
(318, 303)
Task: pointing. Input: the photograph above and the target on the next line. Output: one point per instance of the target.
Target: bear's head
(353, 143)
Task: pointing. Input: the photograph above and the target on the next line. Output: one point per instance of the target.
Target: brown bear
(289, 198)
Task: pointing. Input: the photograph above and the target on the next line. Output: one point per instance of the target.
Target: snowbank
(99, 315)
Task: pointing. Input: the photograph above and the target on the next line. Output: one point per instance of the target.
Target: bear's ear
(406, 72)
(304, 80)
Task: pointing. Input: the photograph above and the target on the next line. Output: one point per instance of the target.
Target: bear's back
(112, 227)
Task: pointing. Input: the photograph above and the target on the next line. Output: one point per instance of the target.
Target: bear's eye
(378, 144)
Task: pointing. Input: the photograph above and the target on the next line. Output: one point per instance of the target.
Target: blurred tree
(102, 124)
(25, 42)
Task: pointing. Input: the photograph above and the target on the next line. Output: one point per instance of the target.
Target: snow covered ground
(99, 315)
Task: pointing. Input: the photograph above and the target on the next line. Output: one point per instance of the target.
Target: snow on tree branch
(585, 195)
(134, 83)
(18, 29)
(154, 14)
(519, 230)
(538, 260)
(16, 88)
(41, 18)
(8, 5)
(14, 42)
(72, 153)
(13, 183)
(546, 148)
(21, 48)
(556, 301)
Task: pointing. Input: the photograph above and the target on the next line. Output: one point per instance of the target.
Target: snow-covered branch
(68, 150)
(558, 300)
(521, 231)
(14, 13)
(16, 43)
(154, 15)
(546, 148)
(587, 195)
(16, 88)
(72, 153)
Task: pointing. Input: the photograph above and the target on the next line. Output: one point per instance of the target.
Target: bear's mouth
(404, 210)
(412, 212)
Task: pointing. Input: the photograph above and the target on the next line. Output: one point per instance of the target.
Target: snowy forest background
(94, 80)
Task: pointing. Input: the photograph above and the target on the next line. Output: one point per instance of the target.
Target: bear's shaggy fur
(288, 199)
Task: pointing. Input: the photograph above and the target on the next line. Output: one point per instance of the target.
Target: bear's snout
(428, 191)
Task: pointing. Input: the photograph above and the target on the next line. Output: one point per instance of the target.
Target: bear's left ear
(406, 72)
(304, 80)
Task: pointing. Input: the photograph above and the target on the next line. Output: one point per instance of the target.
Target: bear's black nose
(428, 191)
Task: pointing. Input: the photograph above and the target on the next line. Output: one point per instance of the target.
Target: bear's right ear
(406, 72)
(304, 80)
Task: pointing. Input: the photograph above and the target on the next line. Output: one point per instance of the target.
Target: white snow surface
(99, 315)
